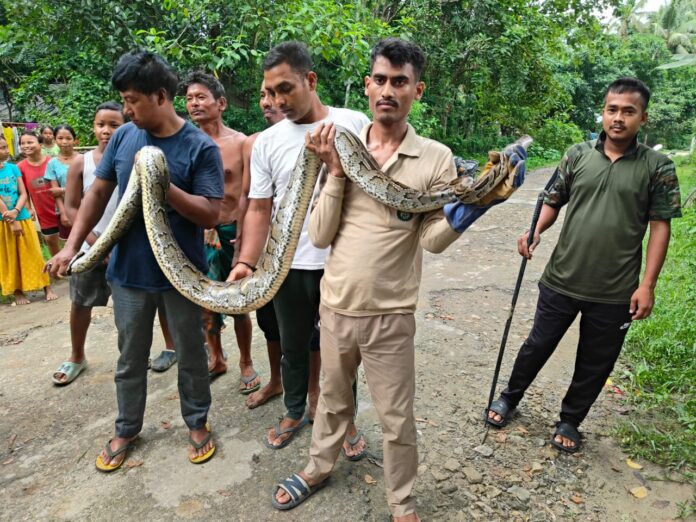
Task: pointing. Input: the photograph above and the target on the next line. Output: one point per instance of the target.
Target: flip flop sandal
(352, 441)
(164, 361)
(108, 468)
(569, 432)
(298, 490)
(214, 375)
(291, 430)
(198, 445)
(501, 408)
(247, 380)
(71, 370)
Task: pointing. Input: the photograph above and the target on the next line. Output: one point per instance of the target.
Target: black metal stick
(515, 294)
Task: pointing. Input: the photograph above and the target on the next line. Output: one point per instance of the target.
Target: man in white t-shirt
(291, 84)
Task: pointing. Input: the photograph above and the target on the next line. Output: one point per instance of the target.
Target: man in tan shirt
(370, 285)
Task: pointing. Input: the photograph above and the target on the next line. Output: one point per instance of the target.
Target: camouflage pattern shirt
(599, 251)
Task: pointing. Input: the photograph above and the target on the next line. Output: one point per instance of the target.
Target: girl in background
(21, 269)
(57, 174)
(33, 168)
(49, 147)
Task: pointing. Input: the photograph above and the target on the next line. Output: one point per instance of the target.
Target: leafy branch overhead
(496, 68)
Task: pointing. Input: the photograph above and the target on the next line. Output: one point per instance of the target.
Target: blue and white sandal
(298, 490)
(71, 371)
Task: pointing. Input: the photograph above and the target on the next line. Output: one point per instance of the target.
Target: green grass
(660, 355)
(537, 163)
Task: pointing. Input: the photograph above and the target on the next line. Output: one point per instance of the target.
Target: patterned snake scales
(146, 192)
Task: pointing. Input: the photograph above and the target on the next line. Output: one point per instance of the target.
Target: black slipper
(501, 408)
(297, 489)
(569, 432)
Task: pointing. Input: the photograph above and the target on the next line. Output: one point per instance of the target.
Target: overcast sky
(650, 5)
(653, 5)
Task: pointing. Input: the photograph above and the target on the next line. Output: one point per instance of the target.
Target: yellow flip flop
(198, 445)
(108, 468)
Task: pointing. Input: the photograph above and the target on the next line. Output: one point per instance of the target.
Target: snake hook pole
(515, 294)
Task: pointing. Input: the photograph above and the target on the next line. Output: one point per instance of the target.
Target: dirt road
(49, 436)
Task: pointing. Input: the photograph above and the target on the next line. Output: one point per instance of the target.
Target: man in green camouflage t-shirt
(613, 186)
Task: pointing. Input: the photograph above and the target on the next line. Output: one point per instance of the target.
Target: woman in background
(33, 168)
(22, 267)
(57, 174)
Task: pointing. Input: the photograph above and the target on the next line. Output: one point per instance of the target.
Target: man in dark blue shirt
(147, 86)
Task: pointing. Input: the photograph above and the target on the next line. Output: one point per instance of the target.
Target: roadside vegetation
(496, 70)
(660, 356)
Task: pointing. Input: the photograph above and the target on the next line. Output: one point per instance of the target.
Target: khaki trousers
(384, 343)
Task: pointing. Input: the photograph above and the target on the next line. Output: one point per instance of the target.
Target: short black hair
(208, 81)
(144, 72)
(64, 126)
(630, 84)
(294, 53)
(38, 137)
(44, 127)
(399, 52)
(109, 106)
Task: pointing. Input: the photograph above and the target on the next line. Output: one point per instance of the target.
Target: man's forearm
(547, 217)
(200, 210)
(256, 226)
(242, 209)
(656, 252)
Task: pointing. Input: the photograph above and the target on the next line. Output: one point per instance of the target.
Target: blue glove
(514, 154)
(460, 216)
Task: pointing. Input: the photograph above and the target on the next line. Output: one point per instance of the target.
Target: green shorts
(220, 259)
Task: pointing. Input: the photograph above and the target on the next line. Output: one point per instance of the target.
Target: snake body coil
(147, 189)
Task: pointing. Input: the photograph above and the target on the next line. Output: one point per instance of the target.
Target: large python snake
(146, 193)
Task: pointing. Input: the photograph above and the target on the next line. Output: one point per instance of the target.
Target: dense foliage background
(496, 67)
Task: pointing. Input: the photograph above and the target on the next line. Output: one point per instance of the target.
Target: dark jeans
(134, 314)
(296, 305)
(266, 318)
(603, 328)
(297, 308)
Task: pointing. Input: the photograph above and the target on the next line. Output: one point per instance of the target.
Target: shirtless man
(265, 316)
(205, 103)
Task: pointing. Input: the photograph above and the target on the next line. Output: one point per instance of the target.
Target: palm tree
(630, 17)
(676, 23)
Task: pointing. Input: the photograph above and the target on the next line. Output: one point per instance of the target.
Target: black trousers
(296, 308)
(603, 328)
